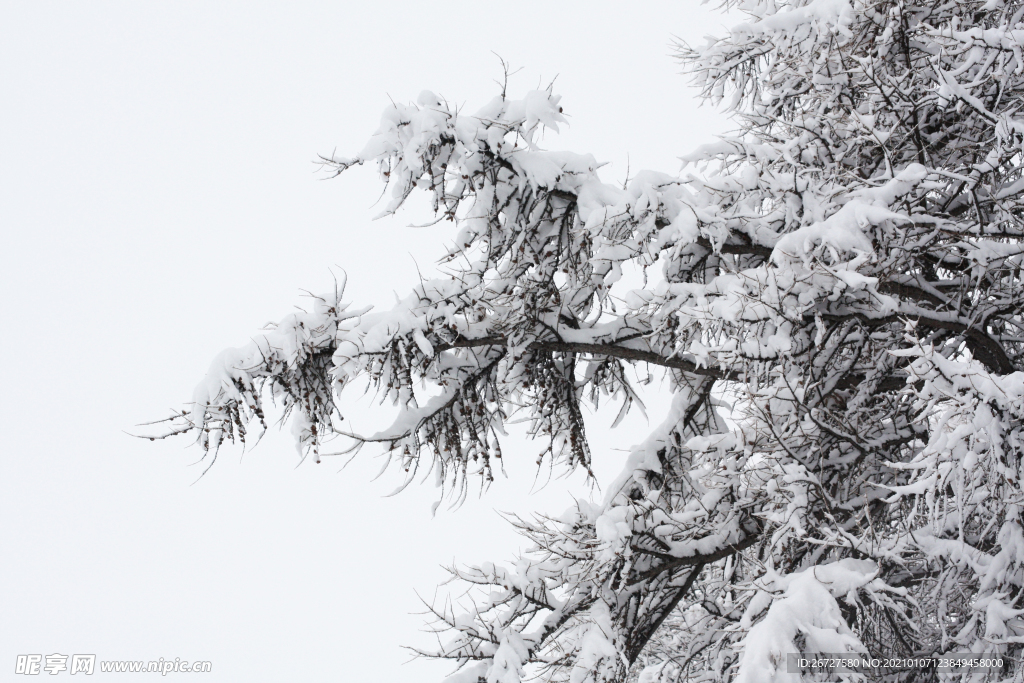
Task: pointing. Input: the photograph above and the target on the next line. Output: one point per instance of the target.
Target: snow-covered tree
(834, 293)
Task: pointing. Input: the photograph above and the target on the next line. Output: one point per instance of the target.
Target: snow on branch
(833, 295)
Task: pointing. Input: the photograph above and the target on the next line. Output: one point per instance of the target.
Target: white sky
(157, 204)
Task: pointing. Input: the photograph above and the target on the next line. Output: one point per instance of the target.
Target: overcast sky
(158, 203)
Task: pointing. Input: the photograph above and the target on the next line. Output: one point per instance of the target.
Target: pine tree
(834, 293)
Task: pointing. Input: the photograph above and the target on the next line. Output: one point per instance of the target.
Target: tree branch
(612, 350)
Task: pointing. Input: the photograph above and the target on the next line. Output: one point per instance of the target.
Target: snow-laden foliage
(845, 268)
